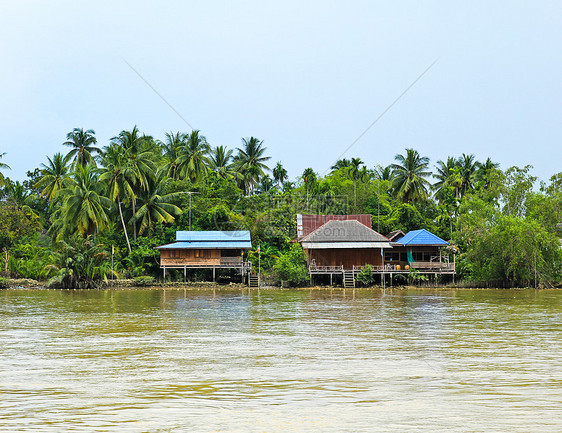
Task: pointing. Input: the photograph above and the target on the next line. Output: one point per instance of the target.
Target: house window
(391, 257)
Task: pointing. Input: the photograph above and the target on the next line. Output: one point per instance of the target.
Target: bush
(291, 267)
(365, 276)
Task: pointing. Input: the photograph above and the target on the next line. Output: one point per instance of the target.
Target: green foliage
(365, 276)
(80, 263)
(137, 199)
(31, 258)
(414, 276)
(143, 281)
(291, 267)
(511, 251)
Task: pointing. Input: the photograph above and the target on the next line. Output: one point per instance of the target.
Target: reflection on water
(272, 361)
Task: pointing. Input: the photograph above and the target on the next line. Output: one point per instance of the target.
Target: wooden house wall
(188, 257)
(346, 257)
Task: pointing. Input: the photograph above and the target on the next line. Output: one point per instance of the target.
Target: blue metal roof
(206, 245)
(239, 239)
(214, 236)
(421, 237)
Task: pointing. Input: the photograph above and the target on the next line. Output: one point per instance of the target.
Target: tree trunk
(123, 222)
(354, 195)
(6, 260)
(134, 222)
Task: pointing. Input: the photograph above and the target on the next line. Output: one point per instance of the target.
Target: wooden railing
(388, 267)
(325, 269)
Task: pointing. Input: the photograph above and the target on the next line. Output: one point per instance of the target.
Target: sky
(308, 78)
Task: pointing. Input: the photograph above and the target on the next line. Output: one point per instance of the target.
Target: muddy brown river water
(281, 361)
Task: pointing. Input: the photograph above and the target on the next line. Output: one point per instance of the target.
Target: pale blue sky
(306, 77)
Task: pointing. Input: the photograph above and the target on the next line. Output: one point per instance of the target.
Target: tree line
(81, 206)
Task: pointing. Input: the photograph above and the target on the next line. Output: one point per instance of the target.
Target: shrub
(291, 267)
(365, 276)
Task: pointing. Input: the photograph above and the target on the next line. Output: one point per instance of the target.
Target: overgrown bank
(97, 212)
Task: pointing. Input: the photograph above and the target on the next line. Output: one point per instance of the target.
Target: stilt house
(207, 249)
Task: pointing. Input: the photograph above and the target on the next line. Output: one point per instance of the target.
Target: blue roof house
(421, 250)
(207, 249)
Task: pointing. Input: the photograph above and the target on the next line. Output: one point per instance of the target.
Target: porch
(436, 265)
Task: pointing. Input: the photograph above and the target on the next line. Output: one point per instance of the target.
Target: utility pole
(379, 208)
(190, 194)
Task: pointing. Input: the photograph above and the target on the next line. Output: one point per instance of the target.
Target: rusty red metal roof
(306, 224)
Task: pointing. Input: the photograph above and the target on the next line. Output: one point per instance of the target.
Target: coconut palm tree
(3, 165)
(83, 146)
(20, 196)
(156, 206)
(341, 163)
(485, 171)
(139, 165)
(220, 162)
(120, 178)
(171, 148)
(468, 166)
(443, 175)
(279, 174)
(250, 163)
(410, 183)
(84, 208)
(54, 176)
(192, 161)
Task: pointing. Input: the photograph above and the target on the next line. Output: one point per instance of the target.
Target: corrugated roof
(344, 231)
(210, 240)
(341, 245)
(421, 237)
(213, 236)
(395, 235)
(206, 245)
(307, 223)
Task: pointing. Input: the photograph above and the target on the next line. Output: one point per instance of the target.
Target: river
(281, 361)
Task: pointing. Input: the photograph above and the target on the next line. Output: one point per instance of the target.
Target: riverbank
(149, 283)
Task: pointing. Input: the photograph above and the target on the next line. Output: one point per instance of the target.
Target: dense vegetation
(64, 223)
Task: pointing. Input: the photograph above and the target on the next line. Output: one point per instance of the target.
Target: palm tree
(139, 165)
(468, 166)
(443, 175)
(356, 173)
(192, 161)
(279, 174)
(219, 162)
(266, 184)
(410, 183)
(54, 176)
(171, 148)
(120, 178)
(485, 171)
(250, 162)
(155, 206)
(82, 143)
(21, 197)
(309, 178)
(341, 163)
(3, 165)
(383, 173)
(84, 208)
